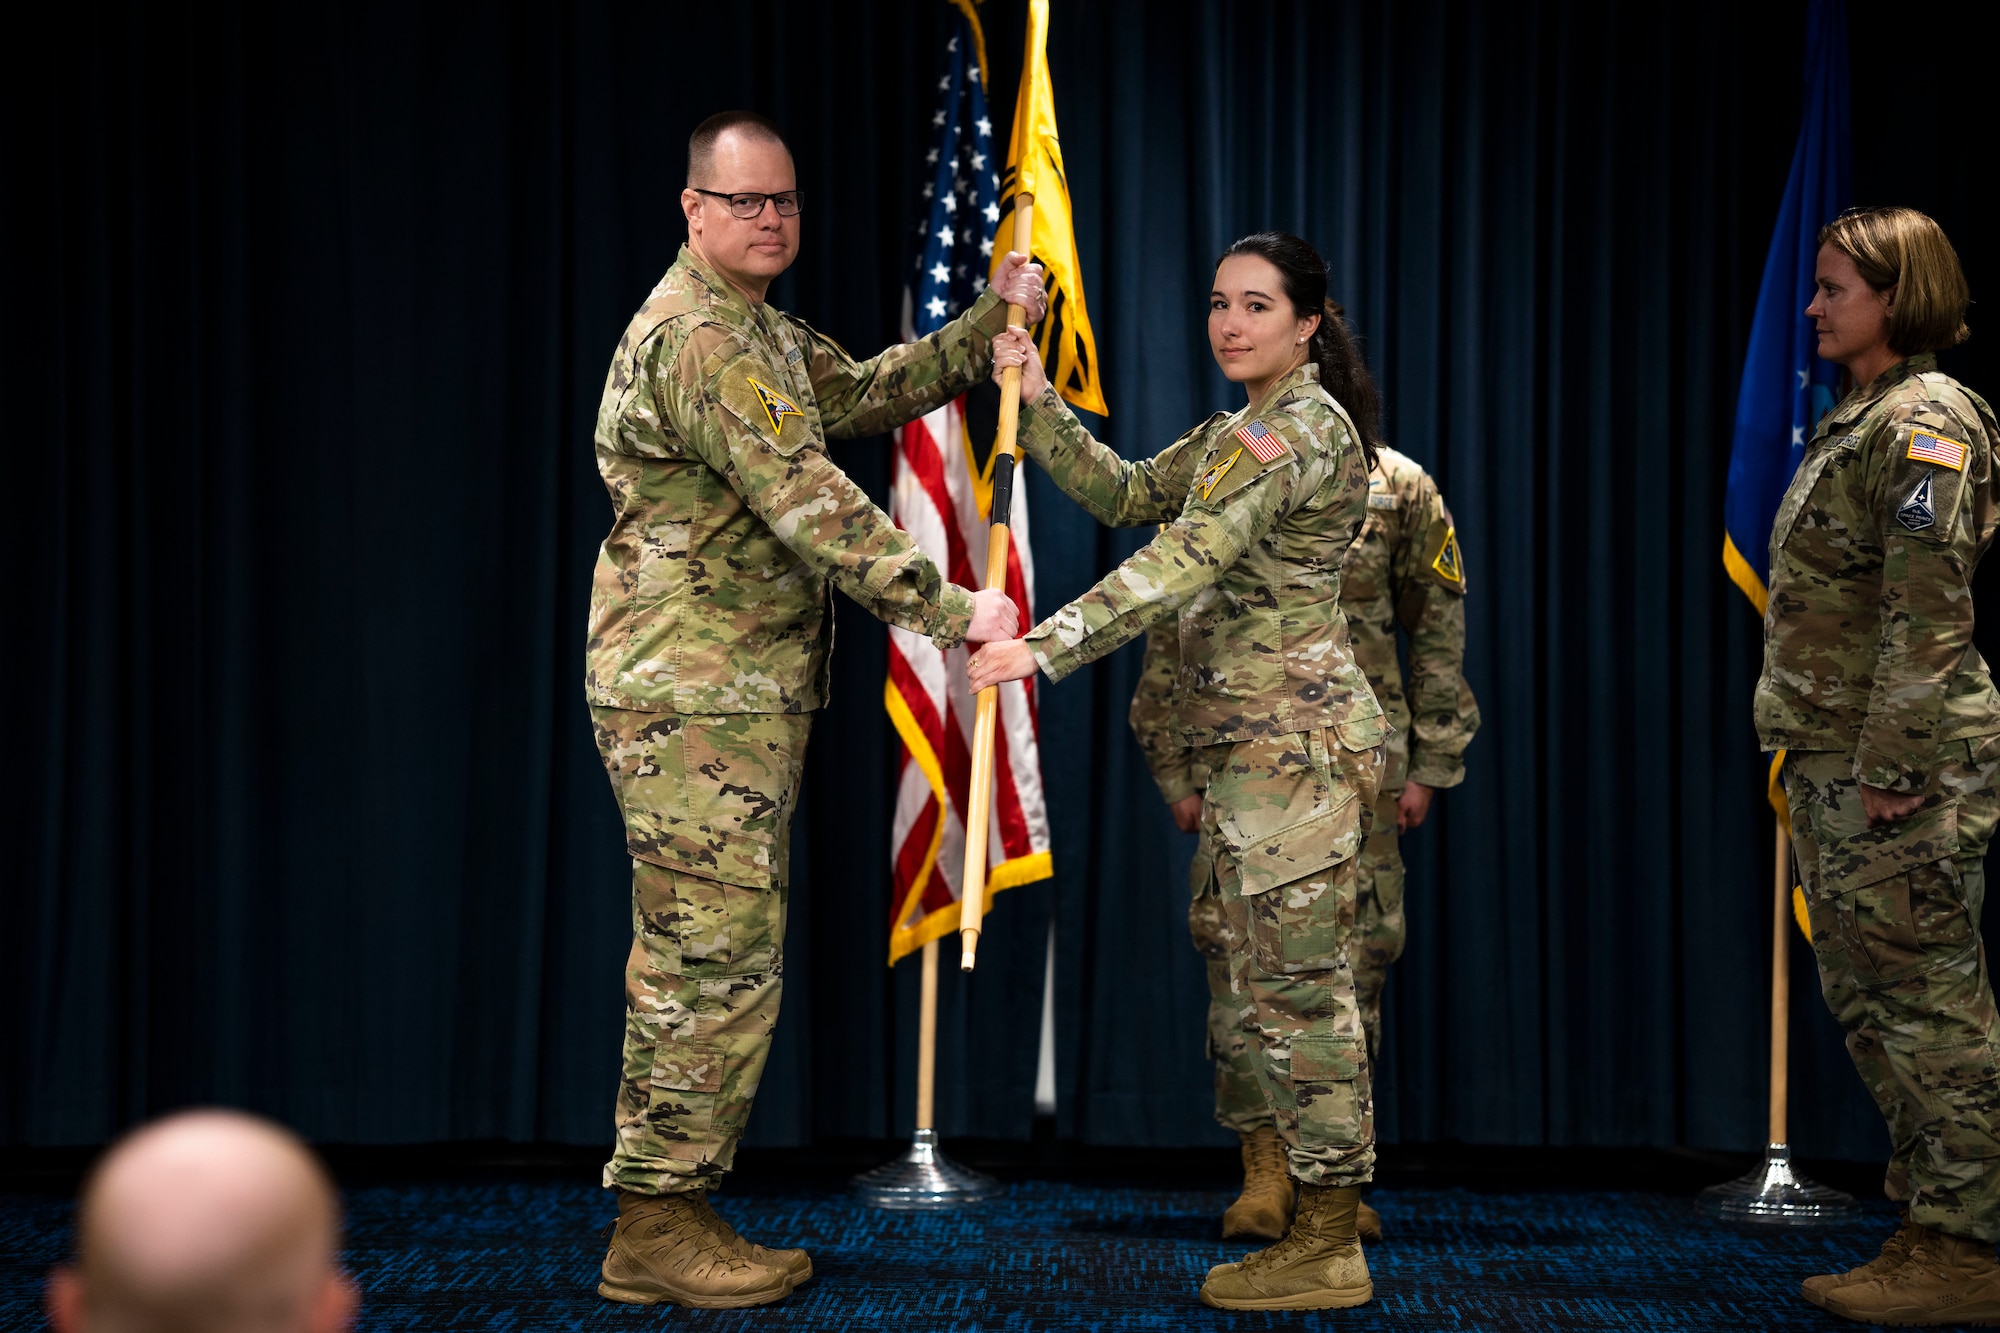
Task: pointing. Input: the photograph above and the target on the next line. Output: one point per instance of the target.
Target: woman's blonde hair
(1904, 249)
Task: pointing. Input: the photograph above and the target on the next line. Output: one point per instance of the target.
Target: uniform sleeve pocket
(1266, 860)
(1875, 854)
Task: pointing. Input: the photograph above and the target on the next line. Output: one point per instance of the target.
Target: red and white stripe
(937, 501)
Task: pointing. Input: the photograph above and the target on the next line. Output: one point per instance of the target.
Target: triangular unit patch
(1917, 512)
(1209, 480)
(776, 406)
(1449, 564)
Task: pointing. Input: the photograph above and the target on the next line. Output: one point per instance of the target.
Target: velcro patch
(1207, 481)
(1918, 512)
(1448, 563)
(1928, 448)
(1263, 443)
(776, 406)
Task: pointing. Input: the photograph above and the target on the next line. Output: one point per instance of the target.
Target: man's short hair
(701, 144)
(1904, 249)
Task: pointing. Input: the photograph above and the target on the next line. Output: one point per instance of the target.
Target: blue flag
(1786, 387)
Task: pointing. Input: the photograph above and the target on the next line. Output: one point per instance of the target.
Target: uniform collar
(713, 292)
(1288, 384)
(1857, 403)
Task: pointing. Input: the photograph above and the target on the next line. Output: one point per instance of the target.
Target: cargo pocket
(1297, 884)
(1965, 1086)
(714, 795)
(1334, 1106)
(1898, 902)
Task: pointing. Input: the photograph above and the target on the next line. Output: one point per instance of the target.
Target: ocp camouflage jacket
(1868, 627)
(1250, 557)
(1405, 568)
(729, 521)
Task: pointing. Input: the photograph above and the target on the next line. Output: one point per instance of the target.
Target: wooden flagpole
(927, 1042)
(1781, 985)
(979, 809)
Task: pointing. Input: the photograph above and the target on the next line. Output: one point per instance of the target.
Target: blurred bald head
(209, 1220)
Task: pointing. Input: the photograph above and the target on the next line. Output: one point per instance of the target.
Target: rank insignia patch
(1917, 513)
(1207, 481)
(1449, 564)
(1928, 448)
(1258, 438)
(777, 407)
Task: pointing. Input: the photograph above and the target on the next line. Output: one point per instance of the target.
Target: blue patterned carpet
(508, 1251)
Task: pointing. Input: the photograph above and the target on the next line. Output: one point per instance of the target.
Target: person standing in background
(1405, 569)
(1891, 728)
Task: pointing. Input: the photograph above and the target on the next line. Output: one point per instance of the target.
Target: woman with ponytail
(1259, 507)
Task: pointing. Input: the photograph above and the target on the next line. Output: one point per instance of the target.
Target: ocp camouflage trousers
(1283, 819)
(1895, 925)
(707, 803)
(1377, 942)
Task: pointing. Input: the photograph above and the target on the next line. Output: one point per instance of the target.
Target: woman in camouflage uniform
(1260, 506)
(1892, 732)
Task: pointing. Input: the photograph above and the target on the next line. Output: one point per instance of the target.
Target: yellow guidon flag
(1035, 167)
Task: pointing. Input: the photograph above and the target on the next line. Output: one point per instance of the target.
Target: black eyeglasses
(747, 206)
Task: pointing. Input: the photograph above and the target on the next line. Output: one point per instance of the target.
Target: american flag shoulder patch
(1928, 448)
(1264, 444)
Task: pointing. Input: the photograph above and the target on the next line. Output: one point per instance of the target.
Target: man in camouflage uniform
(1258, 506)
(708, 649)
(1892, 731)
(1404, 569)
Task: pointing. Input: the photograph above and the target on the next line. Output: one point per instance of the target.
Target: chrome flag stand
(924, 1177)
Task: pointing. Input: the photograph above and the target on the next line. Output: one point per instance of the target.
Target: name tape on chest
(776, 406)
(1928, 448)
(1207, 481)
(1264, 444)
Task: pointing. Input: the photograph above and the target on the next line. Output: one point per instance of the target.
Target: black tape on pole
(1003, 488)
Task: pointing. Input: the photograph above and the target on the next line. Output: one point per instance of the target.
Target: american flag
(941, 496)
(1937, 449)
(1260, 440)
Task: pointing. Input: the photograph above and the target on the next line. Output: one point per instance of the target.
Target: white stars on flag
(960, 197)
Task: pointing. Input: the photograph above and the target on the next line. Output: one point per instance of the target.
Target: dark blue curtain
(307, 314)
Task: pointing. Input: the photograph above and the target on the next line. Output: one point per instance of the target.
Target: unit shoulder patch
(1212, 475)
(1926, 447)
(776, 406)
(1448, 564)
(1918, 512)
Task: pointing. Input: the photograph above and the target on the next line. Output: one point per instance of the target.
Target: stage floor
(498, 1247)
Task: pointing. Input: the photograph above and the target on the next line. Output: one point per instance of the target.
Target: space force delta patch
(776, 406)
(1449, 564)
(1209, 480)
(1917, 512)
(1928, 448)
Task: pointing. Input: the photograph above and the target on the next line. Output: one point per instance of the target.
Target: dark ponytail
(1342, 372)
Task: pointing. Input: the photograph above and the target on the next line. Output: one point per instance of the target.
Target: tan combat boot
(1943, 1279)
(1894, 1251)
(672, 1247)
(1317, 1266)
(1367, 1223)
(1264, 1209)
(796, 1262)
